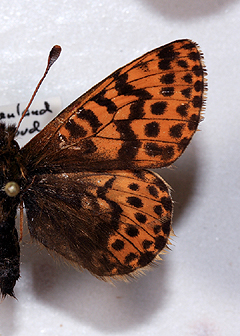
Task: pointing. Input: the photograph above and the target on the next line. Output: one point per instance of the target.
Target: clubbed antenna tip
(53, 56)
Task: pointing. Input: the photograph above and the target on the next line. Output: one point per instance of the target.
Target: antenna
(53, 56)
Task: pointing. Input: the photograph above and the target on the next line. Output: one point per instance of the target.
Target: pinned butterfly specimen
(83, 178)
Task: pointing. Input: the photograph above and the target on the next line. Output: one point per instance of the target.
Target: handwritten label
(38, 116)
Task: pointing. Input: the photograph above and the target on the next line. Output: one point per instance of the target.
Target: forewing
(141, 116)
(109, 223)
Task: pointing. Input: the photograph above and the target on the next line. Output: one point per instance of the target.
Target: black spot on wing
(130, 257)
(158, 210)
(182, 110)
(147, 244)
(128, 152)
(197, 70)
(152, 190)
(133, 186)
(152, 129)
(125, 130)
(168, 78)
(193, 122)
(160, 243)
(75, 130)
(167, 52)
(189, 45)
(176, 131)
(198, 86)
(118, 245)
(135, 201)
(141, 174)
(164, 64)
(137, 109)
(90, 117)
(141, 218)
(186, 92)
(183, 64)
(183, 143)
(188, 78)
(166, 227)
(153, 149)
(197, 101)
(167, 203)
(126, 89)
(159, 108)
(132, 231)
(146, 258)
(101, 100)
(157, 228)
(195, 56)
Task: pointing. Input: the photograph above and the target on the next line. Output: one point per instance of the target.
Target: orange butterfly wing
(141, 116)
(87, 197)
(110, 223)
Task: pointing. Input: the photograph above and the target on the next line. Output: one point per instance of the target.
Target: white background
(195, 289)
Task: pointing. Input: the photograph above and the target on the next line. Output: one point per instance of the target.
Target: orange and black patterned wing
(141, 116)
(110, 223)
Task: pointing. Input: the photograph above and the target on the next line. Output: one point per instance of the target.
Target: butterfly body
(9, 246)
(83, 178)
